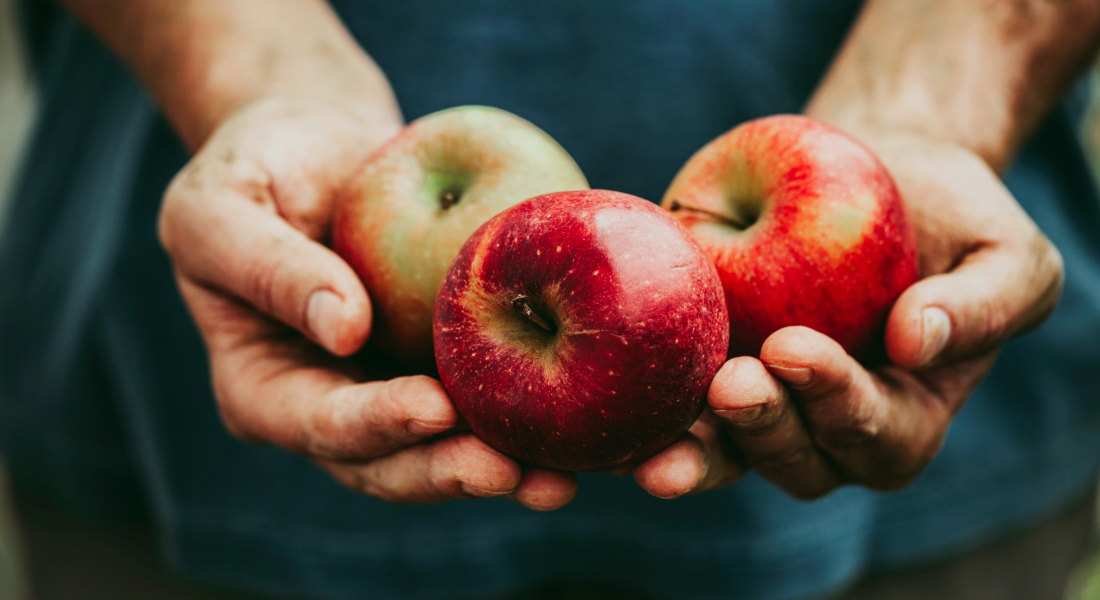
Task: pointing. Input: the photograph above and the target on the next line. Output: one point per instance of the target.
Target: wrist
(884, 131)
(204, 60)
(236, 80)
(979, 75)
(907, 109)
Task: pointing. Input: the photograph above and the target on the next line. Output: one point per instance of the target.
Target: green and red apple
(580, 330)
(805, 226)
(420, 196)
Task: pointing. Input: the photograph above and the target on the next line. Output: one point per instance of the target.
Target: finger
(879, 431)
(283, 390)
(701, 460)
(995, 293)
(674, 471)
(545, 489)
(765, 425)
(460, 466)
(233, 240)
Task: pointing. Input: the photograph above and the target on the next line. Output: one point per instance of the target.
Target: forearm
(979, 73)
(201, 59)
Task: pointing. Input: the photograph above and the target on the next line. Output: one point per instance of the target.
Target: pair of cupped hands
(247, 224)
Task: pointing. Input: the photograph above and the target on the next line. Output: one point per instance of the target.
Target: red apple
(421, 195)
(805, 226)
(580, 330)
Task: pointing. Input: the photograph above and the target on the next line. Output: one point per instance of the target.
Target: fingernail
(422, 428)
(742, 415)
(322, 316)
(935, 330)
(796, 376)
(480, 493)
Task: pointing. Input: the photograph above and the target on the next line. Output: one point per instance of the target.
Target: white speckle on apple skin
(606, 451)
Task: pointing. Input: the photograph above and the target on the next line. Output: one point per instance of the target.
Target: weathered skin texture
(821, 237)
(397, 230)
(639, 330)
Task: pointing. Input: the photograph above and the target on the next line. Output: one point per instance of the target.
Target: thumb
(996, 292)
(229, 242)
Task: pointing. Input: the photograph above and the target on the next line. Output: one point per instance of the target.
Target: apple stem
(447, 199)
(520, 303)
(677, 205)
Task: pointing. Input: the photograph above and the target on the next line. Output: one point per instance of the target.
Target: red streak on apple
(805, 226)
(580, 330)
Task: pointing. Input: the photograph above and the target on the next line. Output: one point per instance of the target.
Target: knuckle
(996, 324)
(167, 219)
(756, 420)
(862, 429)
(238, 429)
(232, 418)
(370, 488)
(327, 432)
(261, 281)
(903, 466)
(388, 416)
(1052, 269)
(913, 463)
(1045, 278)
(360, 424)
(370, 483)
(382, 481)
(784, 461)
(180, 194)
(422, 398)
(348, 476)
(1052, 258)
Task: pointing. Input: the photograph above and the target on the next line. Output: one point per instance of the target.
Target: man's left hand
(810, 418)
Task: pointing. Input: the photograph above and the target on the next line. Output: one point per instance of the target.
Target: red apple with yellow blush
(805, 227)
(420, 196)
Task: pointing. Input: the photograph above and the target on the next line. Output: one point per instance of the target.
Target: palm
(246, 224)
(809, 417)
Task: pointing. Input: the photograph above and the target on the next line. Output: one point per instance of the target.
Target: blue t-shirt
(105, 399)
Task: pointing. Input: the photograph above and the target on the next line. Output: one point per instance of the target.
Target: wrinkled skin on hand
(247, 223)
(809, 418)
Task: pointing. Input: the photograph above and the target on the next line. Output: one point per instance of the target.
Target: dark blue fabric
(104, 389)
(56, 414)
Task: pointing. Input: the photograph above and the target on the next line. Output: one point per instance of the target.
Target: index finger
(236, 241)
(281, 389)
(767, 429)
(881, 429)
(996, 293)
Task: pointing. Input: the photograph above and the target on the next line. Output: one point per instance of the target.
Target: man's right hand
(283, 106)
(245, 224)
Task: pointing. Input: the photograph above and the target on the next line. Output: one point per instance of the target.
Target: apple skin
(640, 330)
(400, 233)
(823, 238)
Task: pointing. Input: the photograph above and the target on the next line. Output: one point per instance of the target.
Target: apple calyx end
(448, 198)
(520, 304)
(677, 206)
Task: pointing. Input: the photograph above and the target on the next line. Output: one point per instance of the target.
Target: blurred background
(16, 116)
